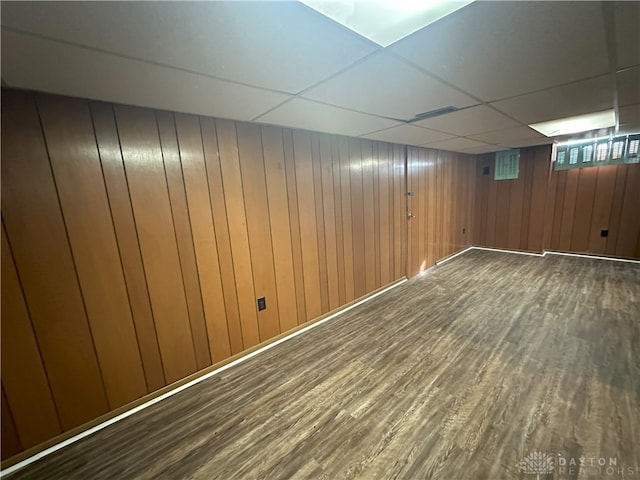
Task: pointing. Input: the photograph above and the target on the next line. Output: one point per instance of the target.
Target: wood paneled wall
(441, 186)
(559, 210)
(135, 243)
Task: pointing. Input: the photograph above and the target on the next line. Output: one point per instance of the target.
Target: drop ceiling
(503, 65)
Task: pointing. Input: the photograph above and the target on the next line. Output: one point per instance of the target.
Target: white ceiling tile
(481, 149)
(630, 119)
(510, 136)
(627, 33)
(527, 143)
(456, 144)
(383, 85)
(54, 67)
(578, 98)
(310, 115)
(408, 134)
(469, 121)
(628, 86)
(284, 46)
(495, 50)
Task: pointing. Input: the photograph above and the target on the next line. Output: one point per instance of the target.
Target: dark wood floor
(460, 373)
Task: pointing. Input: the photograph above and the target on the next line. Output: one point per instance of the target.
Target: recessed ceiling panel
(628, 86)
(469, 121)
(33, 63)
(627, 33)
(283, 46)
(384, 85)
(408, 134)
(578, 98)
(310, 115)
(518, 136)
(481, 149)
(456, 144)
(630, 119)
(495, 50)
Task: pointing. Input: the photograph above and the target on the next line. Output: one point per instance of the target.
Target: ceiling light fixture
(385, 21)
(581, 123)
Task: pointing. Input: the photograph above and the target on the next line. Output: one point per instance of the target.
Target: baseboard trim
(544, 253)
(33, 454)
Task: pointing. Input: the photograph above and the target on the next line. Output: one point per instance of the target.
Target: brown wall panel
(184, 237)
(204, 240)
(78, 175)
(442, 185)
(629, 227)
(220, 220)
(10, 442)
(140, 145)
(384, 209)
(305, 187)
(275, 176)
(258, 226)
(583, 209)
(191, 218)
(317, 197)
(601, 214)
(127, 236)
(238, 234)
(27, 387)
(368, 198)
(337, 199)
(357, 218)
(347, 230)
(328, 206)
(560, 210)
(294, 219)
(37, 234)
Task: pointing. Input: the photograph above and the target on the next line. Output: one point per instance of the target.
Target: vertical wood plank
(629, 220)
(307, 218)
(377, 213)
(337, 195)
(23, 375)
(370, 260)
(539, 190)
(328, 200)
(347, 228)
(561, 184)
(142, 156)
(515, 208)
(399, 212)
(583, 210)
(196, 184)
(357, 218)
(319, 215)
(221, 225)
(568, 210)
(184, 237)
(503, 191)
(52, 293)
(616, 209)
(127, 238)
(492, 206)
(11, 444)
(605, 184)
(275, 173)
(258, 226)
(76, 167)
(238, 234)
(294, 219)
(385, 207)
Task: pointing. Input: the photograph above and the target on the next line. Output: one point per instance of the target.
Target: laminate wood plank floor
(460, 373)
